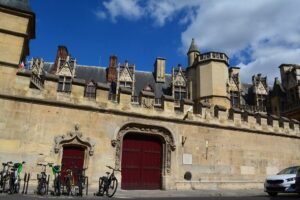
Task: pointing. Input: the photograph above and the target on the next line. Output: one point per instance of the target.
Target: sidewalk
(187, 193)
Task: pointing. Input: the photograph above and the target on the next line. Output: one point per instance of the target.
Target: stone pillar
(168, 103)
(102, 93)
(186, 106)
(235, 114)
(220, 113)
(125, 96)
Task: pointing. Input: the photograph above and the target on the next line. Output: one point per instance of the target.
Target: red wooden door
(141, 162)
(73, 158)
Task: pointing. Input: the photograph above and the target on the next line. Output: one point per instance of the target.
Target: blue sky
(258, 35)
(91, 41)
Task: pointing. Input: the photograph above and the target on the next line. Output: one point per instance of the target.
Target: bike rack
(26, 181)
(87, 185)
(47, 188)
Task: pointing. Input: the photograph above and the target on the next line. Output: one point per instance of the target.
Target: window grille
(90, 90)
(64, 84)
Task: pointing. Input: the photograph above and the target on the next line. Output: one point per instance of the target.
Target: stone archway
(75, 138)
(169, 144)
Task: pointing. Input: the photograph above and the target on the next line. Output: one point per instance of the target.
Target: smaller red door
(73, 158)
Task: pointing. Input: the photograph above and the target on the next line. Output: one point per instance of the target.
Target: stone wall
(221, 148)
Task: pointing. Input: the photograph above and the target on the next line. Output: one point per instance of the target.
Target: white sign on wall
(187, 159)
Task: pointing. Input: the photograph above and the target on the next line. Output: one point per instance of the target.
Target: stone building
(191, 129)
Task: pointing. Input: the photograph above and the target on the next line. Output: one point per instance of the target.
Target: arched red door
(73, 159)
(141, 162)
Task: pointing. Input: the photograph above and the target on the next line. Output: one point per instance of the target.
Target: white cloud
(260, 34)
(128, 9)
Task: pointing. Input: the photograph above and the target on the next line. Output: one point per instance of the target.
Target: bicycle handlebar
(109, 167)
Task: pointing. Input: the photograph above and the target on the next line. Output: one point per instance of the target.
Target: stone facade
(206, 142)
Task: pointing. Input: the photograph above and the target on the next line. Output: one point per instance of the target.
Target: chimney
(111, 70)
(62, 52)
(159, 69)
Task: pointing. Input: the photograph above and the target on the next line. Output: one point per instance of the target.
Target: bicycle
(56, 182)
(108, 184)
(81, 181)
(68, 181)
(5, 175)
(42, 187)
(15, 180)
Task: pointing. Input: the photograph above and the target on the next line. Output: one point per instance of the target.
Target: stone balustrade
(218, 56)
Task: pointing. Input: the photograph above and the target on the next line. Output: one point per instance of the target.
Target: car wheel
(272, 194)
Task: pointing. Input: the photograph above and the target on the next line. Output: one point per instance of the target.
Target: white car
(283, 182)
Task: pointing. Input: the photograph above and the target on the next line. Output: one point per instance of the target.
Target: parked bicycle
(56, 169)
(43, 180)
(15, 180)
(5, 175)
(108, 184)
(82, 182)
(68, 181)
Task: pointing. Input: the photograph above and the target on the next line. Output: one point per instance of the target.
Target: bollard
(25, 177)
(87, 185)
(27, 182)
(47, 187)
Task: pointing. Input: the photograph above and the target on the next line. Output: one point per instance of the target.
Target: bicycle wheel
(42, 188)
(5, 184)
(112, 188)
(101, 187)
(17, 187)
(11, 186)
(57, 186)
(68, 186)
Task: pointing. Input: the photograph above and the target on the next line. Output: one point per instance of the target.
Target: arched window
(90, 90)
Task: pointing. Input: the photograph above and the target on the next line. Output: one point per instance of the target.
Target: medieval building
(198, 127)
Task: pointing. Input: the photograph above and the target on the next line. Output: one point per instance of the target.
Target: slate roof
(142, 78)
(17, 4)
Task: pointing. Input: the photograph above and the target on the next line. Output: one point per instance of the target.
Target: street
(259, 197)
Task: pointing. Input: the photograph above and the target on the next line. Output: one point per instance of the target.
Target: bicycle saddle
(107, 173)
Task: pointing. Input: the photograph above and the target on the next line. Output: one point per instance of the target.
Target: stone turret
(208, 76)
(192, 53)
(17, 28)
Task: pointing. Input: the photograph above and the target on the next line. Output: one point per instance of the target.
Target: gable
(260, 89)
(65, 70)
(125, 75)
(179, 80)
(232, 86)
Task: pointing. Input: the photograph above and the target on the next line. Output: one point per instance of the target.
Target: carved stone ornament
(74, 137)
(168, 140)
(36, 66)
(148, 103)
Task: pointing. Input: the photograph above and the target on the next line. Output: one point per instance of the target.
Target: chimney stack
(62, 52)
(111, 71)
(159, 69)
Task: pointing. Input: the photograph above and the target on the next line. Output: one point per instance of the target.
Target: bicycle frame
(108, 182)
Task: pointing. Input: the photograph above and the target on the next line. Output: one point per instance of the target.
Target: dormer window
(64, 84)
(126, 84)
(90, 90)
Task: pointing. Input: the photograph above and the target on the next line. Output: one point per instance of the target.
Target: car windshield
(290, 170)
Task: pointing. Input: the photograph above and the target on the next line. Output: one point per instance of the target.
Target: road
(34, 197)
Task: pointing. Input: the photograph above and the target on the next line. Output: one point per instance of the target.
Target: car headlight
(290, 179)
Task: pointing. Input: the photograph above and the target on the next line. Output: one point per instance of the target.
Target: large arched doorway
(72, 159)
(159, 139)
(141, 161)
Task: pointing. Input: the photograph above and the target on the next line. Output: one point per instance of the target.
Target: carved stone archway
(75, 138)
(168, 140)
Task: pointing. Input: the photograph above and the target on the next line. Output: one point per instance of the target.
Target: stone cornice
(138, 115)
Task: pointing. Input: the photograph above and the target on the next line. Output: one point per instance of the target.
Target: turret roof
(193, 47)
(17, 4)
